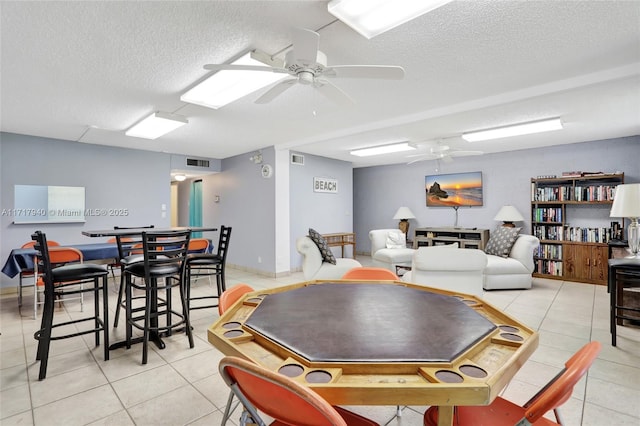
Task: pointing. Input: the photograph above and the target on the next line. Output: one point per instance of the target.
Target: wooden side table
(342, 239)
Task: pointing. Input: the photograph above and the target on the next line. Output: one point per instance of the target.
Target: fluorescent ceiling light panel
(515, 130)
(383, 149)
(156, 125)
(373, 17)
(226, 86)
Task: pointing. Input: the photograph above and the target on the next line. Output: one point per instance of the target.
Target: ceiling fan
(442, 152)
(308, 65)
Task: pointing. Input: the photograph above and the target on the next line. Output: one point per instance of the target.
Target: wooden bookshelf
(567, 252)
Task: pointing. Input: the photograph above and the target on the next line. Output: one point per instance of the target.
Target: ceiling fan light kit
(156, 125)
(540, 126)
(373, 17)
(383, 149)
(226, 86)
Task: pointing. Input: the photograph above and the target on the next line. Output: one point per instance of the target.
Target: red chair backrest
(198, 245)
(231, 296)
(559, 390)
(279, 396)
(50, 243)
(369, 273)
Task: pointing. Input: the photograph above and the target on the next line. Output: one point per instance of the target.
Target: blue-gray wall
(114, 178)
(379, 191)
(327, 213)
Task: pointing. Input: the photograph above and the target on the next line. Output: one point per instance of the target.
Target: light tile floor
(181, 386)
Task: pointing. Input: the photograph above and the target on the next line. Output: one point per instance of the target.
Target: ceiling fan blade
(332, 92)
(465, 153)
(275, 91)
(231, 67)
(306, 44)
(385, 72)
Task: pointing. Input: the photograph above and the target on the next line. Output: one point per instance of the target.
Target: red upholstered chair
(505, 413)
(28, 273)
(232, 295)
(369, 273)
(227, 299)
(285, 400)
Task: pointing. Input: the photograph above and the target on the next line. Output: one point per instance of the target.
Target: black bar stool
(623, 274)
(129, 252)
(205, 264)
(162, 268)
(64, 280)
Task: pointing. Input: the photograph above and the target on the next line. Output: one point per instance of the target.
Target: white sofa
(448, 268)
(513, 272)
(313, 268)
(388, 257)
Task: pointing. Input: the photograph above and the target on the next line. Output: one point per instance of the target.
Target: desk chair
(28, 273)
(162, 268)
(202, 264)
(369, 273)
(68, 279)
(505, 413)
(282, 398)
(227, 299)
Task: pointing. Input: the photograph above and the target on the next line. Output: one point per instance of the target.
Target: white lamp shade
(404, 213)
(509, 214)
(626, 202)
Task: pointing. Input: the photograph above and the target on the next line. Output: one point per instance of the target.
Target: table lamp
(404, 214)
(626, 203)
(508, 215)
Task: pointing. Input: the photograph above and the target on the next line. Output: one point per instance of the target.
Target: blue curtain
(195, 207)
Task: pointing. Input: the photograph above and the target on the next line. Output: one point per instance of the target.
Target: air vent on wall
(297, 159)
(197, 163)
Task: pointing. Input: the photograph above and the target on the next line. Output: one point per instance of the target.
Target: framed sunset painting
(454, 189)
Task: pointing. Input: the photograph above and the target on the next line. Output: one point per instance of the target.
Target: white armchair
(448, 268)
(313, 268)
(388, 257)
(514, 271)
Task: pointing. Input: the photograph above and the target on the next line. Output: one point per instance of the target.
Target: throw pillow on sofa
(396, 240)
(325, 250)
(501, 241)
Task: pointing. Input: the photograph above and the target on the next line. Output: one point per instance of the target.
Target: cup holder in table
(291, 368)
(510, 334)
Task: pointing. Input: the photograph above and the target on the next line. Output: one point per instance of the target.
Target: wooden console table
(465, 237)
(342, 239)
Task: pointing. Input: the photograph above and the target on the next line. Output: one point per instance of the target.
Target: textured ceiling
(88, 70)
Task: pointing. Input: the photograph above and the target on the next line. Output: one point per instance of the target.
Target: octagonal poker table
(379, 343)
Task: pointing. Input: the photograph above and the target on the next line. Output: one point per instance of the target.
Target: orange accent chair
(505, 413)
(369, 273)
(28, 273)
(285, 400)
(227, 299)
(232, 295)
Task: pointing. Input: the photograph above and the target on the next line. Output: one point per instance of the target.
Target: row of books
(575, 234)
(547, 214)
(549, 267)
(573, 193)
(549, 251)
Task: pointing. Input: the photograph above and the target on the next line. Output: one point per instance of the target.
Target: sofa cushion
(325, 250)
(501, 241)
(393, 256)
(498, 265)
(396, 240)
